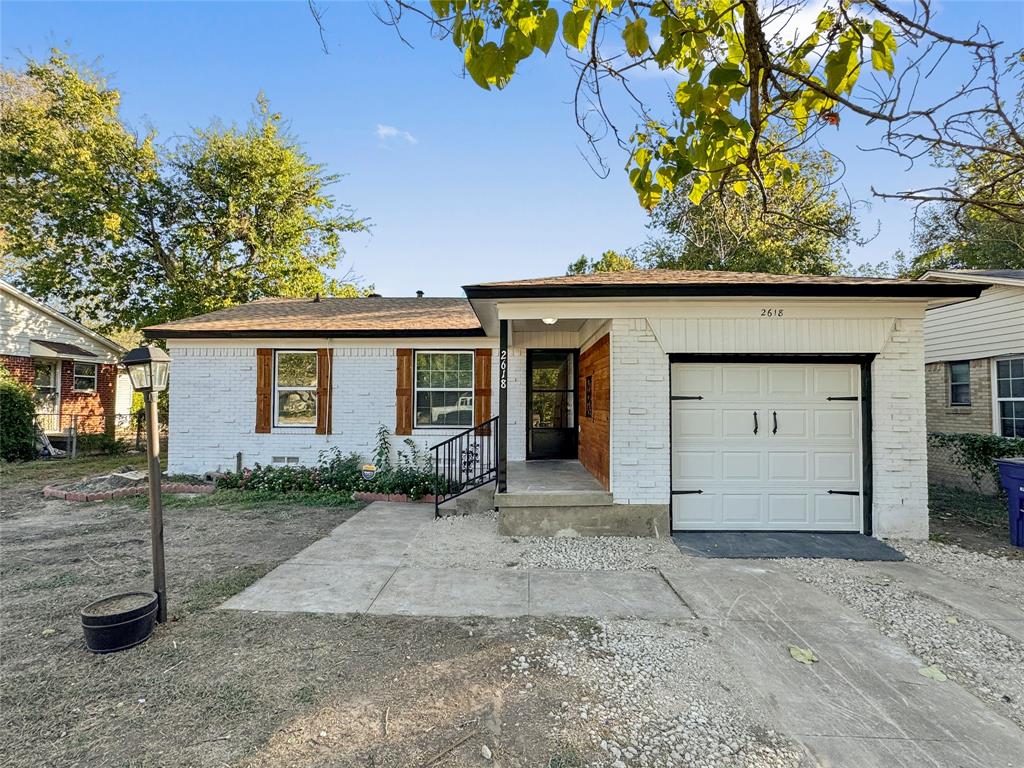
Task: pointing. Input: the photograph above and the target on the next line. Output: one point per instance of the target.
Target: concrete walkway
(358, 569)
(863, 703)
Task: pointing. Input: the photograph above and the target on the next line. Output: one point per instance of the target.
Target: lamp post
(148, 368)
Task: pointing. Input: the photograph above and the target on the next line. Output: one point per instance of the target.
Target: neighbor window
(444, 389)
(960, 383)
(45, 376)
(295, 389)
(1010, 396)
(85, 377)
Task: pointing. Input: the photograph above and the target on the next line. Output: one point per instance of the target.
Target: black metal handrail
(465, 461)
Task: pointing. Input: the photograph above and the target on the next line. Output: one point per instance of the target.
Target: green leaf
(576, 27)
(725, 75)
(883, 46)
(635, 37)
(932, 672)
(699, 189)
(803, 655)
(544, 36)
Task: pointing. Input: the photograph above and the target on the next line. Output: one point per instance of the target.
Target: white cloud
(387, 133)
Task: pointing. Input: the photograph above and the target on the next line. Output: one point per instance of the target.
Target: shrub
(977, 453)
(102, 444)
(17, 420)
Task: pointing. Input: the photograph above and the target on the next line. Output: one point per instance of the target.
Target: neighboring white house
(974, 363)
(698, 400)
(73, 369)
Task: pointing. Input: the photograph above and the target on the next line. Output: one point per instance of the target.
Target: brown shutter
(264, 388)
(324, 357)
(482, 389)
(403, 393)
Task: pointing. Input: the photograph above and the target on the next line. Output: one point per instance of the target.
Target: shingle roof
(63, 348)
(676, 282)
(330, 317)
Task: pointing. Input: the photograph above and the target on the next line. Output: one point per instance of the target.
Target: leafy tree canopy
(610, 261)
(124, 231)
(755, 82)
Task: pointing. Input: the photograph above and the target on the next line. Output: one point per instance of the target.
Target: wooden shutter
(264, 388)
(482, 389)
(324, 357)
(403, 393)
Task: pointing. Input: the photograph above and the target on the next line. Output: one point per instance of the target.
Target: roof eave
(283, 333)
(923, 290)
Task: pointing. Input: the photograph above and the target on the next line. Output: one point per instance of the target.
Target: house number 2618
(771, 312)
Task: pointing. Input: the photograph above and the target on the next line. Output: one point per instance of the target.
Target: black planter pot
(119, 628)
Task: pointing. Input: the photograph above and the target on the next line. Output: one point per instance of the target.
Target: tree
(802, 227)
(610, 261)
(754, 83)
(123, 231)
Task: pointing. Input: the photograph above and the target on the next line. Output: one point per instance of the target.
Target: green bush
(103, 444)
(977, 453)
(17, 420)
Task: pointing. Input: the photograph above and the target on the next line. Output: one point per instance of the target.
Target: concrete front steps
(472, 503)
(575, 513)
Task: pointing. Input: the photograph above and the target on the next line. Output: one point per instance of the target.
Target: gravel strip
(660, 696)
(1003, 575)
(472, 541)
(975, 655)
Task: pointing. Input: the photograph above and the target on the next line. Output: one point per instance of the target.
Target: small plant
(977, 453)
(103, 444)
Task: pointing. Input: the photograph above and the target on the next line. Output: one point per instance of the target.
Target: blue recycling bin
(1011, 476)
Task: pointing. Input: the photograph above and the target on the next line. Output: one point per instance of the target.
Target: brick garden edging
(397, 497)
(53, 492)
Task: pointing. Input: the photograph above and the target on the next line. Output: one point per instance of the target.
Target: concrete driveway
(863, 704)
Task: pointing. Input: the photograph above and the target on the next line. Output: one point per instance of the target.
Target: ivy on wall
(977, 453)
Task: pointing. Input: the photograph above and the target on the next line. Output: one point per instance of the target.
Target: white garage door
(763, 447)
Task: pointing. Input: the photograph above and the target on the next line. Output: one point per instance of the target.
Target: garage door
(766, 447)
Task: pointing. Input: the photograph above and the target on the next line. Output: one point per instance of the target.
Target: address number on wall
(771, 312)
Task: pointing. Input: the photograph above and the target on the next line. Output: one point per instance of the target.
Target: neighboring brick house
(687, 400)
(73, 370)
(974, 365)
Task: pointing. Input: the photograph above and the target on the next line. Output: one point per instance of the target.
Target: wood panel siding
(989, 326)
(595, 417)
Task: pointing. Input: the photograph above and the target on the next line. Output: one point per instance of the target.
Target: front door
(46, 383)
(551, 404)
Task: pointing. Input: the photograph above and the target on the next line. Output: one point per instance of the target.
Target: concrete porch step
(574, 498)
(472, 503)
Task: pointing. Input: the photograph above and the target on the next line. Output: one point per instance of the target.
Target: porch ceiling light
(549, 320)
(147, 368)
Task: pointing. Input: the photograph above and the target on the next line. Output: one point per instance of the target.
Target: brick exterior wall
(212, 408)
(23, 369)
(975, 418)
(94, 410)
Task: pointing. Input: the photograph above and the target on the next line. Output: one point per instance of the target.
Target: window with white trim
(45, 376)
(85, 377)
(444, 389)
(960, 383)
(1010, 396)
(295, 388)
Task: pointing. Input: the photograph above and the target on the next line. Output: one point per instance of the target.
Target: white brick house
(692, 400)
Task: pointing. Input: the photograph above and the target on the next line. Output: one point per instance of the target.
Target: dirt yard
(220, 688)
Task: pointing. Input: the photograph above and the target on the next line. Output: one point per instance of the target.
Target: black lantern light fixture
(148, 370)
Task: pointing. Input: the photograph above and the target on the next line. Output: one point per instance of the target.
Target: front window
(295, 389)
(960, 383)
(1010, 396)
(444, 389)
(85, 377)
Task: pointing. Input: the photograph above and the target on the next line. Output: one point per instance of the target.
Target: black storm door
(551, 404)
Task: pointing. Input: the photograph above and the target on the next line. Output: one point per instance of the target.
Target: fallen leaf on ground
(932, 672)
(803, 655)
(952, 620)
(49, 631)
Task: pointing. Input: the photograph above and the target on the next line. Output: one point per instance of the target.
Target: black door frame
(574, 389)
(863, 361)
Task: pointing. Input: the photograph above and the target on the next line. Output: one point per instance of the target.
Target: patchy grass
(47, 471)
(255, 500)
(213, 592)
(969, 519)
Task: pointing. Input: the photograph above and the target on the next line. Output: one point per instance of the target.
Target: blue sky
(469, 185)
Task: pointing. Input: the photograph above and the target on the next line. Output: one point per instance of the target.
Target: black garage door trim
(862, 360)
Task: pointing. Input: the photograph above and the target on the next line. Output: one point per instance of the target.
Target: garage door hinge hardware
(850, 397)
(687, 397)
(684, 493)
(844, 493)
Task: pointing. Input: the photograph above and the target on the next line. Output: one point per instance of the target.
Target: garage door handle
(755, 422)
(775, 422)
(844, 493)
